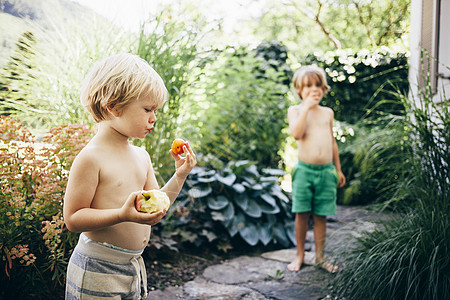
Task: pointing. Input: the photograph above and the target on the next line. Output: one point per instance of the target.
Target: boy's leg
(301, 227)
(320, 232)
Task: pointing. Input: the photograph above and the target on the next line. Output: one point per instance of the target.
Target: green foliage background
(237, 108)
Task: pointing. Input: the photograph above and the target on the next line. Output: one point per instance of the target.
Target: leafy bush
(359, 81)
(34, 244)
(238, 108)
(408, 257)
(238, 202)
(274, 55)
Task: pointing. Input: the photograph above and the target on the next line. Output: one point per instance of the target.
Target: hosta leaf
(227, 180)
(241, 163)
(269, 179)
(274, 172)
(253, 209)
(249, 180)
(207, 173)
(200, 192)
(264, 233)
(207, 179)
(191, 181)
(269, 199)
(253, 170)
(246, 184)
(271, 219)
(236, 224)
(268, 209)
(218, 202)
(228, 211)
(239, 188)
(278, 192)
(239, 166)
(280, 234)
(256, 187)
(241, 201)
(248, 233)
(290, 231)
(266, 185)
(196, 170)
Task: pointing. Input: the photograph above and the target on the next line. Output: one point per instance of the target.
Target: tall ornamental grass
(40, 84)
(408, 256)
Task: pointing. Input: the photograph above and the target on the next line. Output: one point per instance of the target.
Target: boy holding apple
(318, 172)
(122, 93)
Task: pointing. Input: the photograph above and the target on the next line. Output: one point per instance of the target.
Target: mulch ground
(174, 269)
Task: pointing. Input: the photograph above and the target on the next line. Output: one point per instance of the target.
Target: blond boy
(122, 93)
(318, 172)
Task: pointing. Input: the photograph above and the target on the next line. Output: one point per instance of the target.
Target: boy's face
(138, 118)
(312, 89)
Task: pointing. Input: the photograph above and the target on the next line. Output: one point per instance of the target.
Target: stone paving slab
(266, 276)
(288, 255)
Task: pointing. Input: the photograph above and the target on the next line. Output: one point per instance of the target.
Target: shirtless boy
(318, 172)
(122, 93)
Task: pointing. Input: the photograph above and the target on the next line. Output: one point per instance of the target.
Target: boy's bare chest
(317, 122)
(123, 170)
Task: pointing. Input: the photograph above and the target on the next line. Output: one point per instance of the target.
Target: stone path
(266, 276)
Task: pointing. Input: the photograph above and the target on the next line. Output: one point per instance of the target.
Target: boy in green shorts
(318, 172)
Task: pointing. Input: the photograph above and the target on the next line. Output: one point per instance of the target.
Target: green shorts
(314, 188)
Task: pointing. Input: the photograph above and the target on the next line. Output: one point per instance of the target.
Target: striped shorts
(102, 271)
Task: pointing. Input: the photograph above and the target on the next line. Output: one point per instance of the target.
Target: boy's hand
(129, 213)
(341, 179)
(311, 101)
(185, 164)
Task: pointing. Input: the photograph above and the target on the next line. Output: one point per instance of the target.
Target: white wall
(444, 52)
(441, 39)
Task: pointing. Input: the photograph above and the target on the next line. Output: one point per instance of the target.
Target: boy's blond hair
(117, 80)
(309, 73)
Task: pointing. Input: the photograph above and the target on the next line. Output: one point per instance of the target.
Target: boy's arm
(81, 187)
(336, 160)
(297, 121)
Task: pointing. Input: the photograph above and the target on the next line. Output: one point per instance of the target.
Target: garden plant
(407, 257)
(34, 243)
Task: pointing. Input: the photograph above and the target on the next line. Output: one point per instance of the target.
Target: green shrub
(238, 108)
(235, 203)
(34, 243)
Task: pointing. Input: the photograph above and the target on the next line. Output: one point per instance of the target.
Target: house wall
(430, 30)
(443, 69)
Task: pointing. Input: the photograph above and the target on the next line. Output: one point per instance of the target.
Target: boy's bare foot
(295, 265)
(327, 266)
